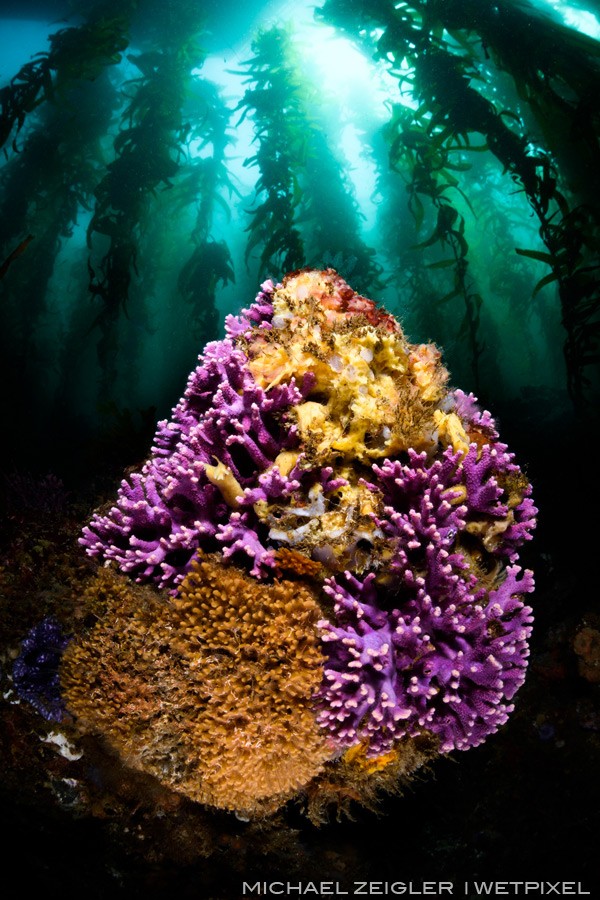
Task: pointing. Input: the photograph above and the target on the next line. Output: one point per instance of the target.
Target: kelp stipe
(435, 48)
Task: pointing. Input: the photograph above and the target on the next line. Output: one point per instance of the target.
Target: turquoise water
(177, 155)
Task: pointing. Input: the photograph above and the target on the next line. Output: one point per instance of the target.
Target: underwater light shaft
(581, 20)
(357, 87)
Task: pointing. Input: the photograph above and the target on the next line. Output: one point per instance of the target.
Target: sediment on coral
(329, 536)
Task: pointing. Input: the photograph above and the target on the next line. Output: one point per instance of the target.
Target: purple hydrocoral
(447, 661)
(486, 471)
(35, 670)
(442, 652)
(421, 504)
(272, 485)
(421, 500)
(164, 513)
(467, 409)
(259, 313)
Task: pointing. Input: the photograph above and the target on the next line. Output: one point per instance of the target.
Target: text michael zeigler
(432, 889)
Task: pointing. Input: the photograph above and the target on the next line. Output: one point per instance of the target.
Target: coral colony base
(311, 587)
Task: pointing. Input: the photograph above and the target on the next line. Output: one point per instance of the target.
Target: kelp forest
(137, 211)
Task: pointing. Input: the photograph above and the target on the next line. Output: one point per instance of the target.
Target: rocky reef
(311, 587)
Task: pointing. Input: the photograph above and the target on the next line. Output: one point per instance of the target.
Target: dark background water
(84, 379)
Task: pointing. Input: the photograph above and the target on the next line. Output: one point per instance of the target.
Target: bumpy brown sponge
(209, 692)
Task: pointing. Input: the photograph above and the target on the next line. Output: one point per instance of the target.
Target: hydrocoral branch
(440, 644)
(422, 500)
(224, 433)
(447, 662)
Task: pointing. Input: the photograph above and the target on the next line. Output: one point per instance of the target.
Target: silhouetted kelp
(485, 125)
(281, 150)
(14, 254)
(205, 180)
(306, 210)
(44, 187)
(77, 53)
(147, 149)
(441, 50)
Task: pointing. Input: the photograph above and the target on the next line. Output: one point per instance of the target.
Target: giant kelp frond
(148, 154)
(443, 52)
(76, 53)
(209, 265)
(423, 150)
(306, 211)
(275, 102)
(43, 190)
(556, 71)
(204, 183)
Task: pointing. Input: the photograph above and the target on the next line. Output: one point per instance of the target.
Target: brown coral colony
(210, 693)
